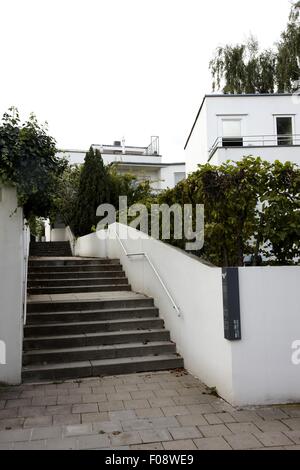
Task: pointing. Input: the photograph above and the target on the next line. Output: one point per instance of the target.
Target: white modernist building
(144, 162)
(228, 127)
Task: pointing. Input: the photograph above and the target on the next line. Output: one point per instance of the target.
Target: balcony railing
(287, 140)
(153, 148)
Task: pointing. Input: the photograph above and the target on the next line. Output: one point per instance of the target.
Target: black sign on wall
(231, 304)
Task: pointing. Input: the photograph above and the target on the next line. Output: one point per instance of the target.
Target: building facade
(228, 127)
(143, 162)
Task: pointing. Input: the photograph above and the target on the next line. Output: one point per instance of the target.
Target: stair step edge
(99, 362)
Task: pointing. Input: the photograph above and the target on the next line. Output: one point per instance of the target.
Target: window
(232, 133)
(284, 129)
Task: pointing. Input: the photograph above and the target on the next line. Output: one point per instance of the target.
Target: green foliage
(37, 226)
(66, 196)
(279, 221)
(126, 184)
(288, 55)
(82, 188)
(94, 189)
(28, 162)
(252, 207)
(242, 68)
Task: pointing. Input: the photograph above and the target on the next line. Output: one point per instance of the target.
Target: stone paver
(192, 420)
(243, 441)
(293, 436)
(174, 410)
(182, 445)
(293, 423)
(215, 430)
(155, 435)
(212, 443)
(186, 432)
(273, 439)
(37, 421)
(152, 411)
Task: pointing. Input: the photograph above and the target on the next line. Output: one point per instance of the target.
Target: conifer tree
(93, 191)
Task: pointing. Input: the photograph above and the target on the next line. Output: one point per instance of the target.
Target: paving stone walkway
(154, 411)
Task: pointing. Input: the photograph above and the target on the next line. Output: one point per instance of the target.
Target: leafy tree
(288, 53)
(37, 226)
(93, 190)
(242, 68)
(28, 161)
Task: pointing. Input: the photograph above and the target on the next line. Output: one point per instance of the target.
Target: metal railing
(287, 140)
(153, 148)
(131, 255)
(70, 236)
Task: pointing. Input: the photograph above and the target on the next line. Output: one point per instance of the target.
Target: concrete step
(71, 262)
(95, 339)
(50, 249)
(55, 329)
(75, 275)
(84, 305)
(101, 367)
(91, 325)
(79, 288)
(89, 353)
(77, 282)
(91, 315)
(75, 268)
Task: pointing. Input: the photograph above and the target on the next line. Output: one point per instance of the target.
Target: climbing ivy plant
(252, 209)
(28, 162)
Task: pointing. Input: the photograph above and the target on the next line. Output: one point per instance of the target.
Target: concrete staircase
(83, 320)
(50, 249)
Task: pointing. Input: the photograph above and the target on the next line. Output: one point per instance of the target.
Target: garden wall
(12, 287)
(258, 369)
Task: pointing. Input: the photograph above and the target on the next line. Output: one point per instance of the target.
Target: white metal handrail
(130, 255)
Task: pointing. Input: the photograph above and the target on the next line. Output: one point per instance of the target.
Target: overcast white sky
(98, 70)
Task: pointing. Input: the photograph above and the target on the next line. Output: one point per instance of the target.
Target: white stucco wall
(256, 370)
(90, 246)
(143, 166)
(47, 230)
(11, 285)
(168, 175)
(58, 235)
(196, 288)
(77, 156)
(197, 149)
(257, 114)
(269, 154)
(263, 372)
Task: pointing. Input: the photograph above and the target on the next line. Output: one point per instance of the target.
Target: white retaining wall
(256, 370)
(11, 285)
(196, 288)
(270, 318)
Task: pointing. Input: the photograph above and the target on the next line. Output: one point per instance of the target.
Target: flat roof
(220, 95)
